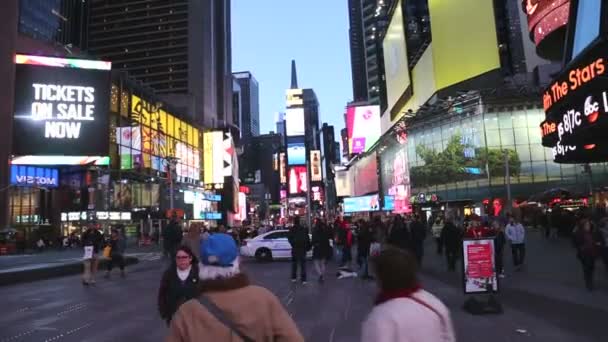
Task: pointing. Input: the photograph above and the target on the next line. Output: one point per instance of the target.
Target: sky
(268, 34)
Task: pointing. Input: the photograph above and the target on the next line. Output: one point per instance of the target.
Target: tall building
(237, 105)
(280, 123)
(368, 19)
(250, 105)
(181, 49)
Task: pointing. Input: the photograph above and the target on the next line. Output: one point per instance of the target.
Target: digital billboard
(213, 157)
(61, 107)
(363, 127)
(315, 166)
(282, 168)
(395, 177)
(545, 17)
(36, 176)
(398, 85)
(61, 160)
(294, 122)
(296, 151)
(361, 204)
(298, 181)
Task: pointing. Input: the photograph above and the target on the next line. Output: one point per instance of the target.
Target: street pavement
(544, 302)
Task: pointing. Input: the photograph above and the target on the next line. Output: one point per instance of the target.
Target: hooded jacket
(254, 310)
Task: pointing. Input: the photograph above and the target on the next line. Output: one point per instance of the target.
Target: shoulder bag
(220, 316)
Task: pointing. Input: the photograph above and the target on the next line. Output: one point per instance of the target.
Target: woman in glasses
(179, 283)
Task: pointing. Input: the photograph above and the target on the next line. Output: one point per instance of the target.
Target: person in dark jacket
(92, 240)
(300, 244)
(321, 247)
(399, 235)
(117, 251)
(588, 242)
(179, 283)
(344, 239)
(364, 242)
(172, 236)
(418, 231)
(451, 236)
(500, 240)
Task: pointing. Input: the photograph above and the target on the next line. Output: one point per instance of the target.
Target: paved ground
(545, 302)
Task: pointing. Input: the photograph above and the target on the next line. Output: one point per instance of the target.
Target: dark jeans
(439, 242)
(588, 263)
(452, 257)
(298, 259)
(347, 256)
(519, 253)
(116, 260)
(499, 261)
(362, 260)
(605, 257)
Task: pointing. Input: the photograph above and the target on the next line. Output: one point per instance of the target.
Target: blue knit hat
(219, 250)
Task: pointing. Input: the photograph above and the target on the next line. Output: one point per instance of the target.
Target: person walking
(516, 234)
(589, 242)
(399, 235)
(451, 237)
(418, 231)
(193, 240)
(500, 241)
(436, 229)
(179, 283)
(92, 240)
(300, 244)
(403, 311)
(321, 248)
(364, 241)
(172, 237)
(344, 238)
(604, 231)
(118, 245)
(228, 307)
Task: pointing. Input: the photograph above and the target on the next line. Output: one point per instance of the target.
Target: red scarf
(385, 296)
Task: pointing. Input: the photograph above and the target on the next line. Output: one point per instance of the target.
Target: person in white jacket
(404, 311)
(516, 234)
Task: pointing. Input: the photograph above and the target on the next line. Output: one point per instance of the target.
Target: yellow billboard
(396, 66)
(464, 40)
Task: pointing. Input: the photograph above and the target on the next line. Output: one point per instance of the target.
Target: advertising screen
(296, 151)
(361, 204)
(389, 203)
(294, 122)
(61, 107)
(395, 177)
(364, 174)
(298, 182)
(395, 59)
(479, 266)
(315, 166)
(363, 128)
(282, 168)
(213, 157)
(546, 16)
(60, 160)
(34, 176)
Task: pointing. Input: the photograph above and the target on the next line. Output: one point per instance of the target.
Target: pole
(508, 180)
(308, 204)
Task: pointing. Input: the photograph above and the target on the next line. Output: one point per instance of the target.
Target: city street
(545, 302)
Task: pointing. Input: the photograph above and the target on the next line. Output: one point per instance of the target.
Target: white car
(269, 246)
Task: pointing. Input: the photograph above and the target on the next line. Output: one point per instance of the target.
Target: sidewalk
(20, 268)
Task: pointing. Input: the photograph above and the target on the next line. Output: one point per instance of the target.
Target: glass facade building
(462, 156)
(54, 21)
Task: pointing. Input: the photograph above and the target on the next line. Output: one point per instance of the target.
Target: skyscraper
(181, 49)
(367, 19)
(250, 105)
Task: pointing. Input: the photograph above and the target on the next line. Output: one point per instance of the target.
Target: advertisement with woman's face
(395, 177)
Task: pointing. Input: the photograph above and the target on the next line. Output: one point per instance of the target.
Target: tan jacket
(253, 309)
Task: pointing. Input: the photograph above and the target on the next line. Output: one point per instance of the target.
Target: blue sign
(34, 176)
(212, 216)
(389, 203)
(212, 198)
(473, 170)
(362, 203)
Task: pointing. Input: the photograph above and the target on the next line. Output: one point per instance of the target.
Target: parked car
(269, 246)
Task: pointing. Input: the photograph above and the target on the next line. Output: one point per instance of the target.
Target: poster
(479, 274)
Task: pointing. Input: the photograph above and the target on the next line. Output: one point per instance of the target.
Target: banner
(315, 166)
(479, 266)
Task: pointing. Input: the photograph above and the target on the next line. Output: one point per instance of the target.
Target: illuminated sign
(61, 106)
(60, 160)
(38, 176)
(298, 181)
(545, 16)
(577, 78)
(389, 203)
(363, 128)
(282, 168)
(96, 215)
(315, 166)
(294, 122)
(361, 204)
(294, 97)
(213, 157)
(296, 151)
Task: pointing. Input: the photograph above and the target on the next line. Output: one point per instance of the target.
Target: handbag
(88, 253)
(107, 252)
(220, 316)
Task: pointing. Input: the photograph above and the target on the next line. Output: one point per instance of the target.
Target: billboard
(61, 107)
(296, 151)
(315, 166)
(463, 48)
(298, 181)
(395, 177)
(479, 266)
(363, 127)
(545, 17)
(282, 168)
(213, 157)
(294, 97)
(361, 204)
(294, 122)
(364, 175)
(34, 176)
(398, 84)
(60, 160)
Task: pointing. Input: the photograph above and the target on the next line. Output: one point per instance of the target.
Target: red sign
(479, 258)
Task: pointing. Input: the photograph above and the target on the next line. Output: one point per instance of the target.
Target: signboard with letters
(34, 176)
(479, 270)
